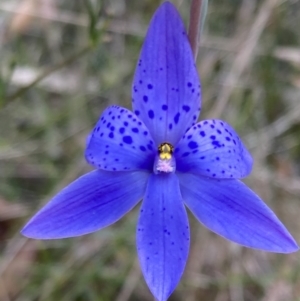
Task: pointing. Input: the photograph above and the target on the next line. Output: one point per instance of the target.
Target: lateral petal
(90, 203)
(232, 210)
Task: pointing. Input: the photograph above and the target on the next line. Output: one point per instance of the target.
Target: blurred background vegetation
(62, 62)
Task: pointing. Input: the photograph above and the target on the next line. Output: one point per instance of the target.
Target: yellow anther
(165, 151)
(165, 156)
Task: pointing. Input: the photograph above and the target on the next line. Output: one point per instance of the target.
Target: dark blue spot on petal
(151, 114)
(122, 130)
(176, 118)
(186, 108)
(164, 107)
(150, 86)
(192, 144)
(216, 143)
(145, 98)
(111, 135)
(135, 130)
(127, 139)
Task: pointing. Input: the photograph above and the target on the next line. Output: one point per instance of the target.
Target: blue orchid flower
(161, 155)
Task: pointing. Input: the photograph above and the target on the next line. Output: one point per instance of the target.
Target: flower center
(164, 161)
(165, 151)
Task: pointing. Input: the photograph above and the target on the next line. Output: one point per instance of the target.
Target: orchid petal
(232, 210)
(120, 142)
(166, 88)
(212, 148)
(163, 235)
(90, 203)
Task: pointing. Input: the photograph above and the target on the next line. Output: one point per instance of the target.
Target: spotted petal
(90, 203)
(120, 142)
(166, 88)
(212, 148)
(163, 235)
(230, 209)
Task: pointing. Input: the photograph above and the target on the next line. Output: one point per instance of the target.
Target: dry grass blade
(10, 210)
(15, 266)
(68, 17)
(244, 56)
(131, 281)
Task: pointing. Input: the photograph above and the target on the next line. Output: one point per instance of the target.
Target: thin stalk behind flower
(197, 18)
